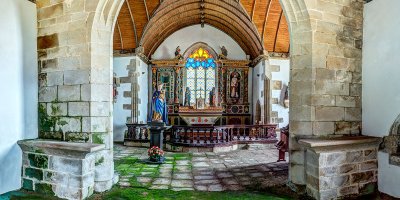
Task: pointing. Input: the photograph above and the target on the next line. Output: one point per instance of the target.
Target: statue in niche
(159, 112)
(187, 97)
(235, 85)
(178, 53)
(213, 97)
(224, 53)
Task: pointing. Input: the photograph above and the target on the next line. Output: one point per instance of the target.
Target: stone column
(75, 92)
(325, 87)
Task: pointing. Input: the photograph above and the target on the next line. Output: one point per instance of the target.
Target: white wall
(192, 34)
(257, 87)
(381, 66)
(18, 85)
(282, 75)
(381, 85)
(119, 114)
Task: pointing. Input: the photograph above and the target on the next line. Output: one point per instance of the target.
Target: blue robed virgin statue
(158, 109)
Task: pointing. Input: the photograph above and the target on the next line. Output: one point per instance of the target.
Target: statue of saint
(178, 53)
(224, 53)
(235, 85)
(212, 97)
(159, 112)
(187, 97)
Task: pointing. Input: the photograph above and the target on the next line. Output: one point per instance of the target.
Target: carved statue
(224, 53)
(187, 97)
(235, 85)
(212, 97)
(178, 53)
(159, 112)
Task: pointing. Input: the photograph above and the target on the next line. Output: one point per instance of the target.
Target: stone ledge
(334, 143)
(71, 146)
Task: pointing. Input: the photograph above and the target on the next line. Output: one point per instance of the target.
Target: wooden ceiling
(254, 24)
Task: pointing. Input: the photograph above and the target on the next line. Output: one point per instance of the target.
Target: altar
(200, 73)
(206, 116)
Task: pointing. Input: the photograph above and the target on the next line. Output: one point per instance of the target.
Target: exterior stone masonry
(342, 170)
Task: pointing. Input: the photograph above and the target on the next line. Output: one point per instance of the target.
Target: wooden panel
(126, 27)
(282, 41)
(152, 5)
(140, 15)
(117, 39)
(272, 25)
(248, 6)
(259, 14)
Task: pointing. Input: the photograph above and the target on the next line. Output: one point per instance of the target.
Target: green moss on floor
(145, 194)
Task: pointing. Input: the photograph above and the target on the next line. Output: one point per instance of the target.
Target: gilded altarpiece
(231, 87)
(234, 76)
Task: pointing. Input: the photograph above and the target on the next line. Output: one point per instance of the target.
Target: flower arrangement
(155, 154)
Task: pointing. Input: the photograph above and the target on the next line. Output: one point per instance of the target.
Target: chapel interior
(201, 99)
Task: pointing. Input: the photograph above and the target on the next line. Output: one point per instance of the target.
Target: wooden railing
(206, 135)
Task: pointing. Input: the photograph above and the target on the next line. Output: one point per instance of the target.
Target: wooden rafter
(120, 35)
(133, 22)
(265, 20)
(147, 11)
(273, 37)
(252, 10)
(277, 29)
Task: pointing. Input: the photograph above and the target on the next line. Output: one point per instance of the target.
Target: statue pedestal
(157, 133)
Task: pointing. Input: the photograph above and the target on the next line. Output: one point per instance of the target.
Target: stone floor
(239, 170)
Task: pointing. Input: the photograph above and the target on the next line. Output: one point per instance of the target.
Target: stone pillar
(75, 70)
(325, 87)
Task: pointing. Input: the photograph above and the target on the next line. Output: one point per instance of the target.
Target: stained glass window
(200, 74)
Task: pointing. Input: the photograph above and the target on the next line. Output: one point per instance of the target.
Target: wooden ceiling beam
(265, 21)
(172, 22)
(147, 11)
(252, 10)
(160, 19)
(133, 22)
(120, 35)
(187, 20)
(277, 29)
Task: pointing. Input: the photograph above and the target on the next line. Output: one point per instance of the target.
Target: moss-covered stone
(38, 161)
(27, 184)
(47, 124)
(44, 188)
(99, 161)
(97, 139)
(76, 137)
(34, 173)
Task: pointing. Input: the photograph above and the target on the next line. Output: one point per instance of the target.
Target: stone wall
(75, 74)
(65, 170)
(341, 171)
(339, 174)
(280, 69)
(326, 40)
